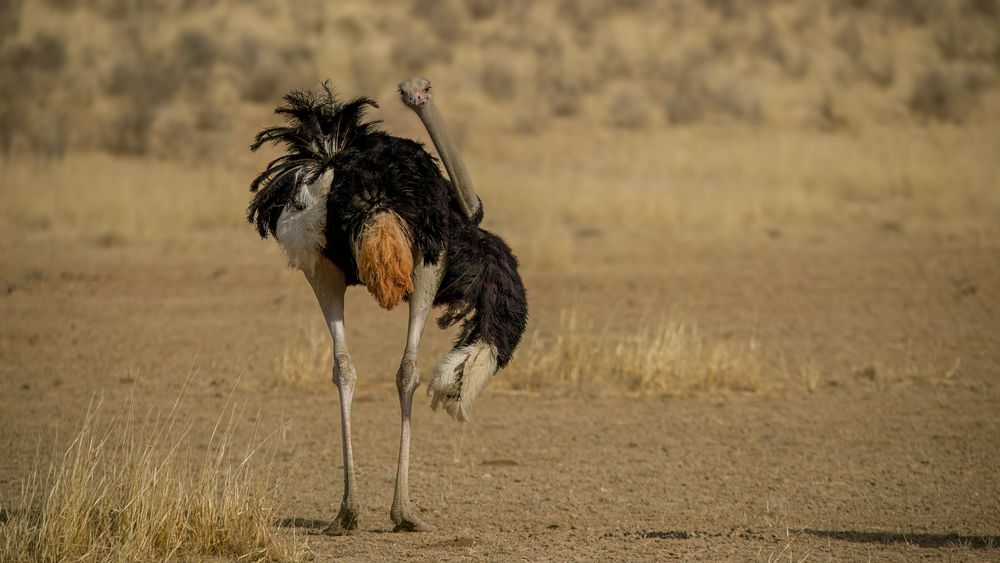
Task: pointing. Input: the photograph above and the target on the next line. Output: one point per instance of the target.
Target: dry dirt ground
(817, 178)
(871, 464)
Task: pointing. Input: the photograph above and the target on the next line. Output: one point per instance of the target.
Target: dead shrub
(443, 17)
(172, 124)
(692, 98)
(144, 84)
(196, 5)
(368, 70)
(48, 135)
(415, 58)
(868, 62)
(685, 98)
(497, 81)
(128, 132)
(729, 9)
(414, 51)
(987, 8)
(352, 28)
(944, 96)
(310, 18)
(117, 9)
(267, 82)
(612, 64)
(481, 9)
(10, 17)
(260, 72)
(769, 45)
(45, 53)
(685, 106)
(880, 69)
(805, 20)
(582, 19)
(736, 100)
(629, 109)
(967, 39)
(263, 86)
(528, 119)
(30, 72)
(721, 42)
(849, 40)
(194, 55)
(561, 90)
(915, 12)
(140, 75)
(828, 116)
(268, 71)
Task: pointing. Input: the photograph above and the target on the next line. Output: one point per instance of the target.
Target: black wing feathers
(318, 127)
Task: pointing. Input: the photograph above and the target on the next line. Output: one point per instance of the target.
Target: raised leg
(426, 280)
(329, 285)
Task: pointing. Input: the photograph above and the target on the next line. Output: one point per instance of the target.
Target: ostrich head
(415, 91)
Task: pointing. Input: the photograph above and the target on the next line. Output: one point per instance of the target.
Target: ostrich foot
(345, 522)
(405, 521)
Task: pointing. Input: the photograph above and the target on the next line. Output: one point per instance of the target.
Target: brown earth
(808, 189)
(870, 464)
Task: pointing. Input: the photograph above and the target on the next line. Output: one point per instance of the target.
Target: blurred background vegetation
(192, 79)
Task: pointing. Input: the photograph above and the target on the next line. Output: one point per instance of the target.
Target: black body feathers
(375, 172)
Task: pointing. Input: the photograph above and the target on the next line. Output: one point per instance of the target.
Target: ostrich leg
(329, 285)
(426, 280)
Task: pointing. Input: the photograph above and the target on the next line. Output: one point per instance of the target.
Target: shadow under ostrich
(350, 204)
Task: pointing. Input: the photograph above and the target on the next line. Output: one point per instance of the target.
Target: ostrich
(350, 204)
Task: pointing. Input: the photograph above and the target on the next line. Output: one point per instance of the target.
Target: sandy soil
(871, 464)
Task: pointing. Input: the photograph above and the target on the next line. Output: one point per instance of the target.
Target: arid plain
(760, 242)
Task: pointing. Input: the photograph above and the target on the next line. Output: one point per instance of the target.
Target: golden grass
(304, 361)
(132, 490)
(108, 201)
(733, 182)
(579, 356)
(705, 183)
(654, 357)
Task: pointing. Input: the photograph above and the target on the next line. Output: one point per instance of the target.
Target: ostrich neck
(453, 163)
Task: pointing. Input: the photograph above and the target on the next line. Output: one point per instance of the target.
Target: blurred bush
(177, 78)
(945, 95)
(29, 70)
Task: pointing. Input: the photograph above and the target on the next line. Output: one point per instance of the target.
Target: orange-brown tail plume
(385, 259)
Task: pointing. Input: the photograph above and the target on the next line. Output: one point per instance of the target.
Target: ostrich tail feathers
(483, 290)
(460, 377)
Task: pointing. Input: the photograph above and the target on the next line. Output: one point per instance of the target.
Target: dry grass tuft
(130, 490)
(660, 357)
(657, 357)
(303, 362)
